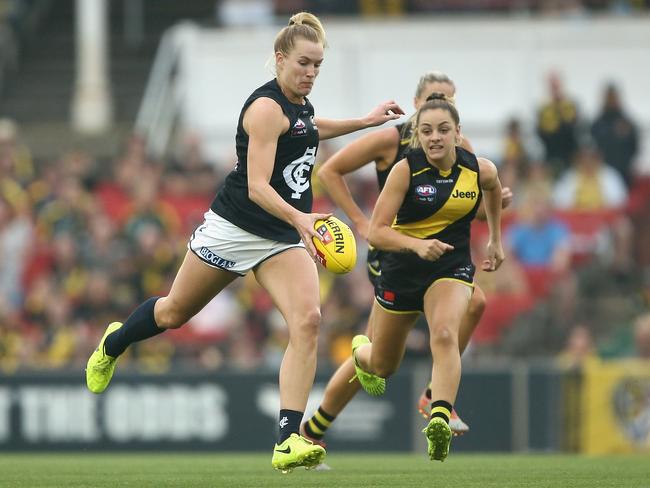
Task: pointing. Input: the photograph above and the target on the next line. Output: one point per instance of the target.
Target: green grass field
(349, 470)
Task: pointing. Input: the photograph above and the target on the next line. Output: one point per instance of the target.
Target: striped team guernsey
(438, 205)
(406, 133)
(291, 177)
(373, 258)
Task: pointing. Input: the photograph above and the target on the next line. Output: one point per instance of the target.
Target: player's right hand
(304, 224)
(432, 249)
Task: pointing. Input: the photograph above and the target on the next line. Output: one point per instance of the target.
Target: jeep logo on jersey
(297, 173)
(298, 129)
(464, 194)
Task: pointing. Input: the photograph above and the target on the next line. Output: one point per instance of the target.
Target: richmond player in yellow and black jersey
(384, 148)
(439, 204)
(422, 221)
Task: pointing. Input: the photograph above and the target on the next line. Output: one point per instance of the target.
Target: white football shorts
(221, 244)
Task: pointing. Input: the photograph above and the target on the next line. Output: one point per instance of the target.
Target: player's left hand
(383, 113)
(506, 197)
(495, 256)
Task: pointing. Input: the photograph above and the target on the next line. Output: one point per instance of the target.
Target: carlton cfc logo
(297, 174)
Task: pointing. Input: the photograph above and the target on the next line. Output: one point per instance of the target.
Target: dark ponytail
(434, 101)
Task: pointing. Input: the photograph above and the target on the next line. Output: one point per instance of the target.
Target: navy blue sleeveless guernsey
(405, 134)
(294, 161)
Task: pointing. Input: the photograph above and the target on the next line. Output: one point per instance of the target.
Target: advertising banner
(616, 407)
(183, 411)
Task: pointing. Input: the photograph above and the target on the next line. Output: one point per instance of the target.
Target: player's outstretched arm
(328, 128)
(368, 148)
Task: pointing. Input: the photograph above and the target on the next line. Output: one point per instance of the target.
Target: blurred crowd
(403, 7)
(84, 240)
(259, 12)
(397, 7)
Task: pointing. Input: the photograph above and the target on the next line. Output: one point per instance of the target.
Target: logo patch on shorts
(386, 296)
(216, 260)
(463, 273)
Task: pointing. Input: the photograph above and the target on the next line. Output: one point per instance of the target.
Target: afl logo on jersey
(298, 129)
(425, 193)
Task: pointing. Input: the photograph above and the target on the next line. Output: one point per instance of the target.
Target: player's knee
(169, 316)
(305, 326)
(384, 369)
(443, 337)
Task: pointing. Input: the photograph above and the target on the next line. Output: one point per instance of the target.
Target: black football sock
(140, 325)
(318, 424)
(442, 409)
(289, 424)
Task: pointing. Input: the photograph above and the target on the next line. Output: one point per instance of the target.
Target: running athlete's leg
(471, 318)
(389, 332)
(338, 393)
(291, 279)
(467, 327)
(445, 304)
(339, 390)
(194, 286)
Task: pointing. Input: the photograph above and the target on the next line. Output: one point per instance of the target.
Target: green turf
(350, 470)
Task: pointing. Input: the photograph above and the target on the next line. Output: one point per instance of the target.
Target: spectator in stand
(541, 243)
(642, 336)
(557, 126)
(579, 347)
(147, 208)
(590, 184)
(15, 158)
(593, 186)
(189, 174)
(537, 238)
(515, 160)
(68, 208)
(12, 339)
(382, 7)
(631, 340)
(616, 134)
(16, 235)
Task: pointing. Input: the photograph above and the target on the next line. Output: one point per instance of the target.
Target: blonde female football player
(421, 222)
(385, 147)
(260, 221)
